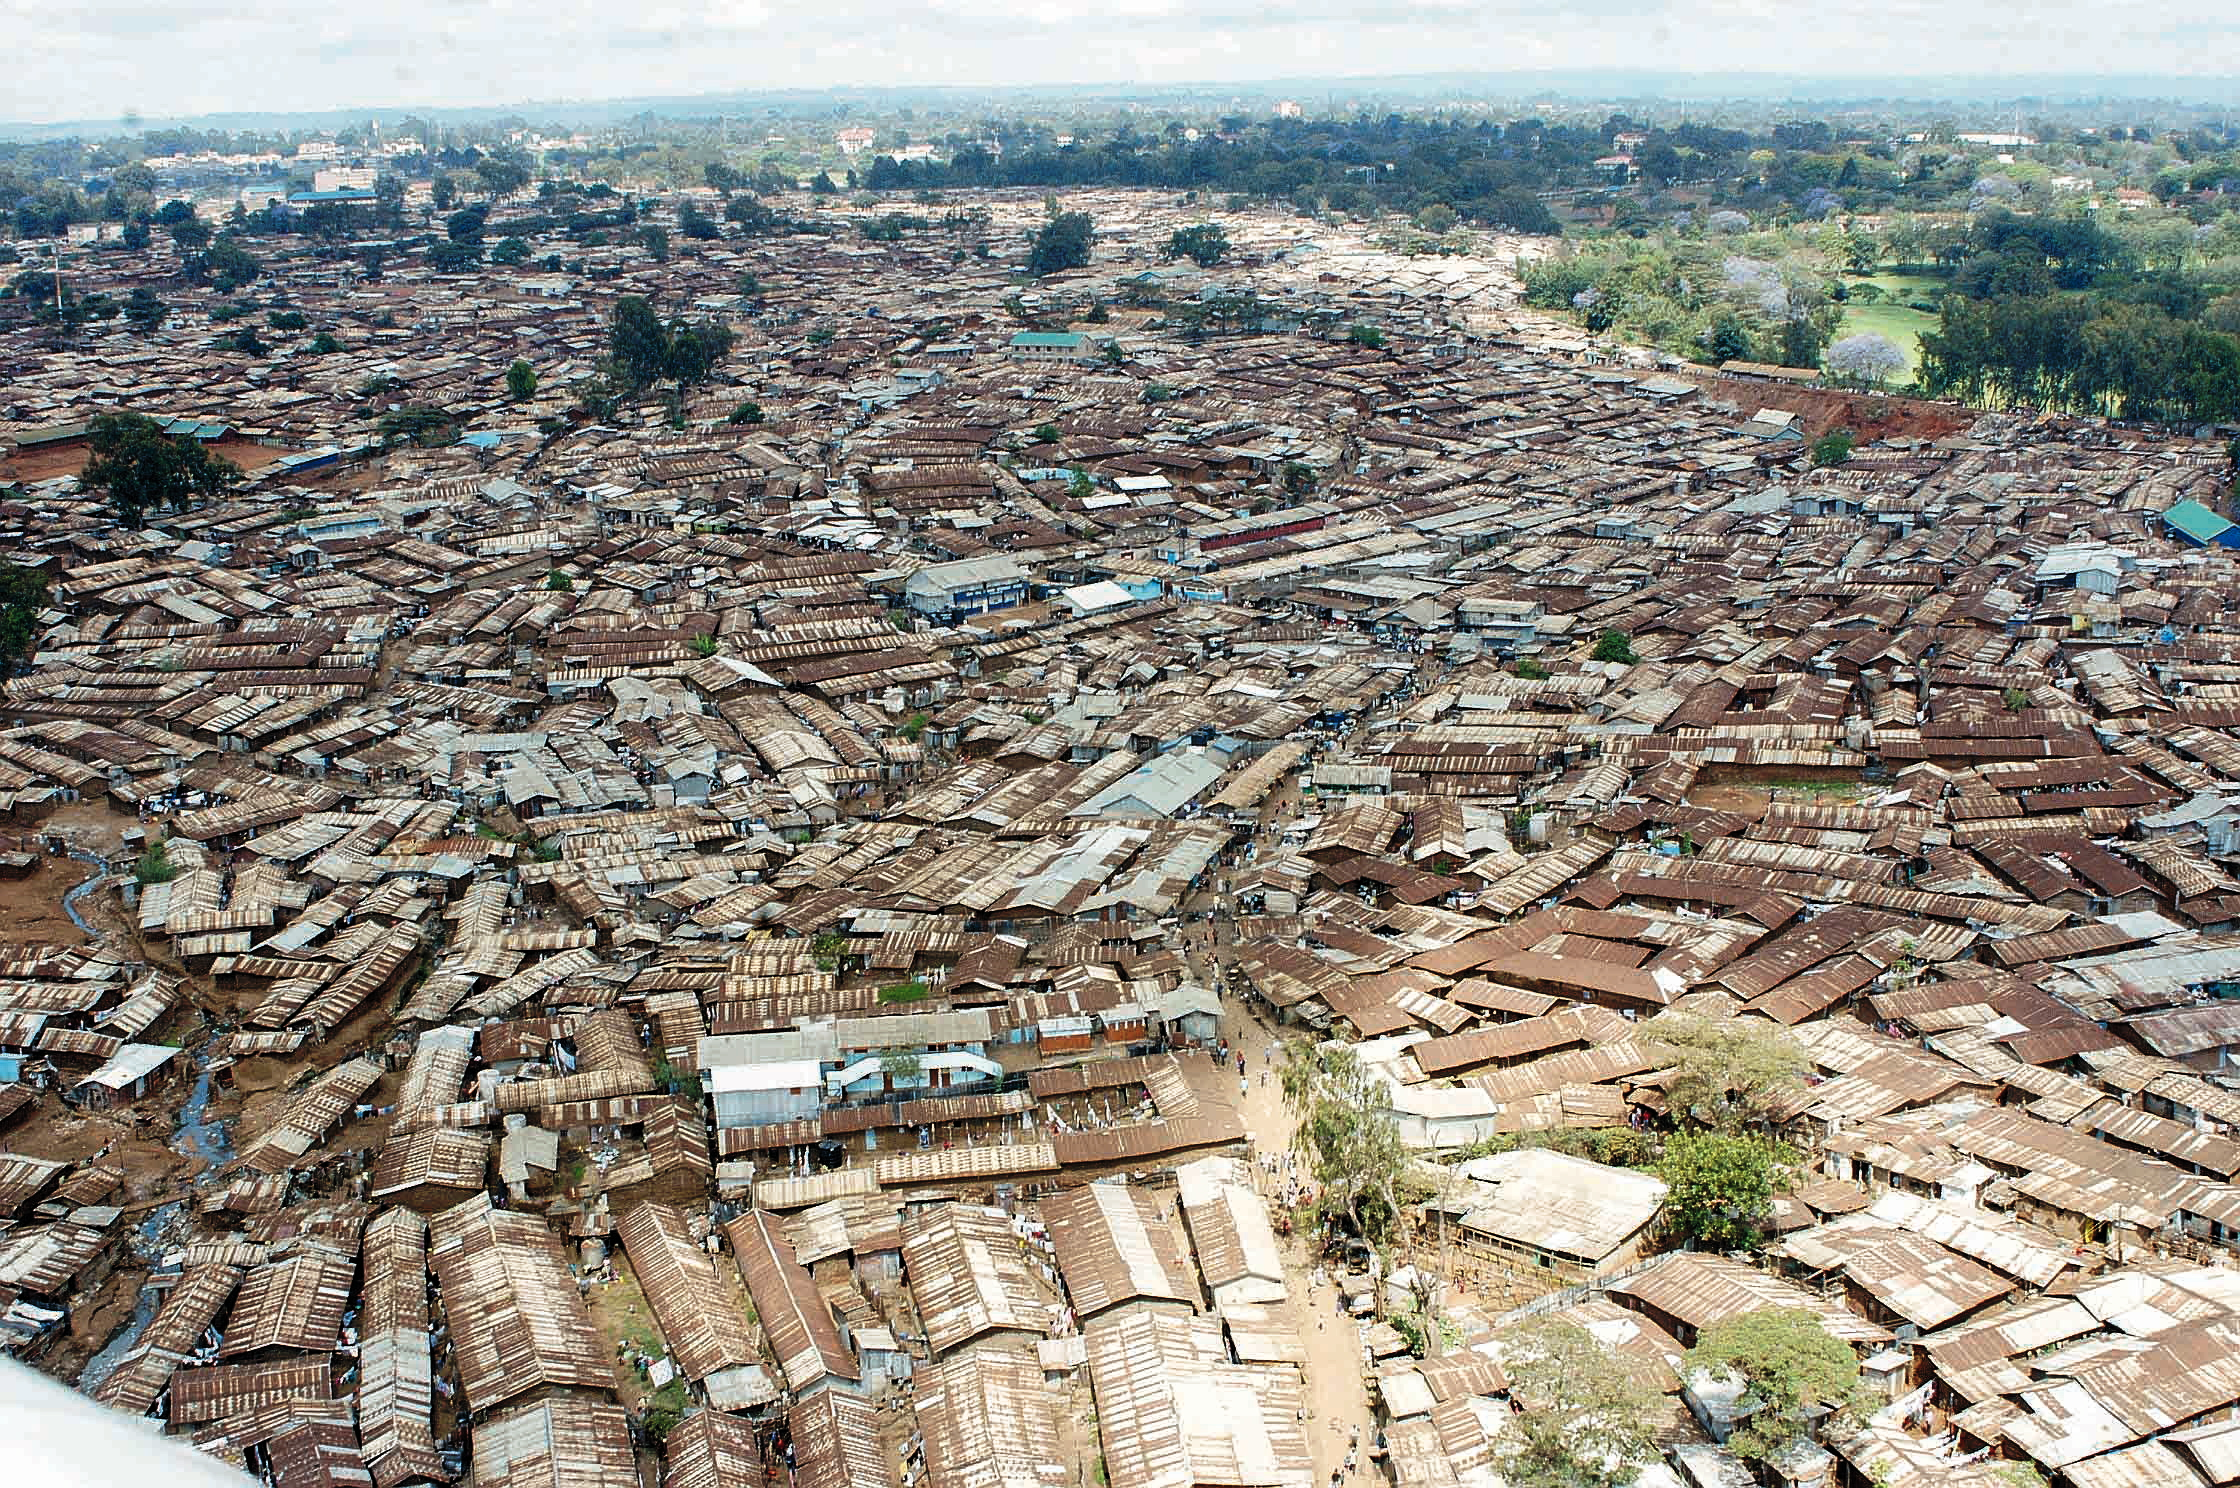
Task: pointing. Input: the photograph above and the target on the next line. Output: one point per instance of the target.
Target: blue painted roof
(2197, 521)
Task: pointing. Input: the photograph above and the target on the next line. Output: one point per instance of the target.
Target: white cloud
(96, 59)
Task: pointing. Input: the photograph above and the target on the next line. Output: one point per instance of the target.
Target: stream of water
(205, 1142)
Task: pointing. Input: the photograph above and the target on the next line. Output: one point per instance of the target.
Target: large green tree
(144, 470)
(1351, 1145)
(1720, 1188)
(23, 593)
(644, 351)
(1585, 1422)
(1203, 243)
(1063, 243)
(1793, 1372)
(1727, 1073)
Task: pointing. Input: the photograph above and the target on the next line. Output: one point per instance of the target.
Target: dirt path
(1337, 1398)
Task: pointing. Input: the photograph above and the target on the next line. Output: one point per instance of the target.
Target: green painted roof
(1048, 338)
(2196, 521)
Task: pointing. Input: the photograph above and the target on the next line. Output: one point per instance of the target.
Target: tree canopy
(1585, 1422)
(1790, 1367)
(1614, 645)
(1203, 243)
(1352, 1148)
(521, 381)
(645, 351)
(144, 470)
(1063, 243)
(23, 593)
(1727, 1071)
(1720, 1188)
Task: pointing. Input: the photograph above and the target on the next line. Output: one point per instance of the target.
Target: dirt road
(1337, 1398)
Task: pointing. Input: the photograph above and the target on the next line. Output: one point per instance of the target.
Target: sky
(97, 60)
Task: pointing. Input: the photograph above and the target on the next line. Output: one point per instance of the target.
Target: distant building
(854, 142)
(1048, 346)
(1288, 110)
(969, 586)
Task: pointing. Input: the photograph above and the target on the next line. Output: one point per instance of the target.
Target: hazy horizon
(109, 59)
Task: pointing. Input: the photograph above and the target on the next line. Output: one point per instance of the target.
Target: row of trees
(2084, 354)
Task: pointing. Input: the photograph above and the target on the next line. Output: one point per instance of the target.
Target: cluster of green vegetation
(911, 991)
(23, 594)
(145, 470)
(827, 949)
(155, 865)
(2129, 317)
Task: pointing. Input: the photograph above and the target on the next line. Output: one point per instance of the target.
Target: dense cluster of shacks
(793, 869)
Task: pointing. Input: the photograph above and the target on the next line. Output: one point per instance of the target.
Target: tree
(1833, 447)
(1063, 243)
(1792, 1372)
(287, 320)
(901, 1067)
(453, 258)
(465, 225)
(1365, 335)
(155, 865)
(644, 351)
(144, 312)
(1728, 340)
(23, 594)
(1585, 1423)
(1614, 645)
(135, 236)
(1530, 670)
(418, 423)
(510, 251)
(656, 240)
(1437, 219)
(1349, 1140)
(1204, 244)
(746, 413)
(190, 234)
(227, 266)
(446, 192)
(696, 224)
(754, 217)
(501, 175)
(324, 344)
(1727, 1071)
(556, 582)
(1720, 1188)
(142, 469)
(521, 381)
(822, 184)
(637, 341)
(1865, 358)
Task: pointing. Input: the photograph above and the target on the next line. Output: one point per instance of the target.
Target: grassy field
(1893, 315)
